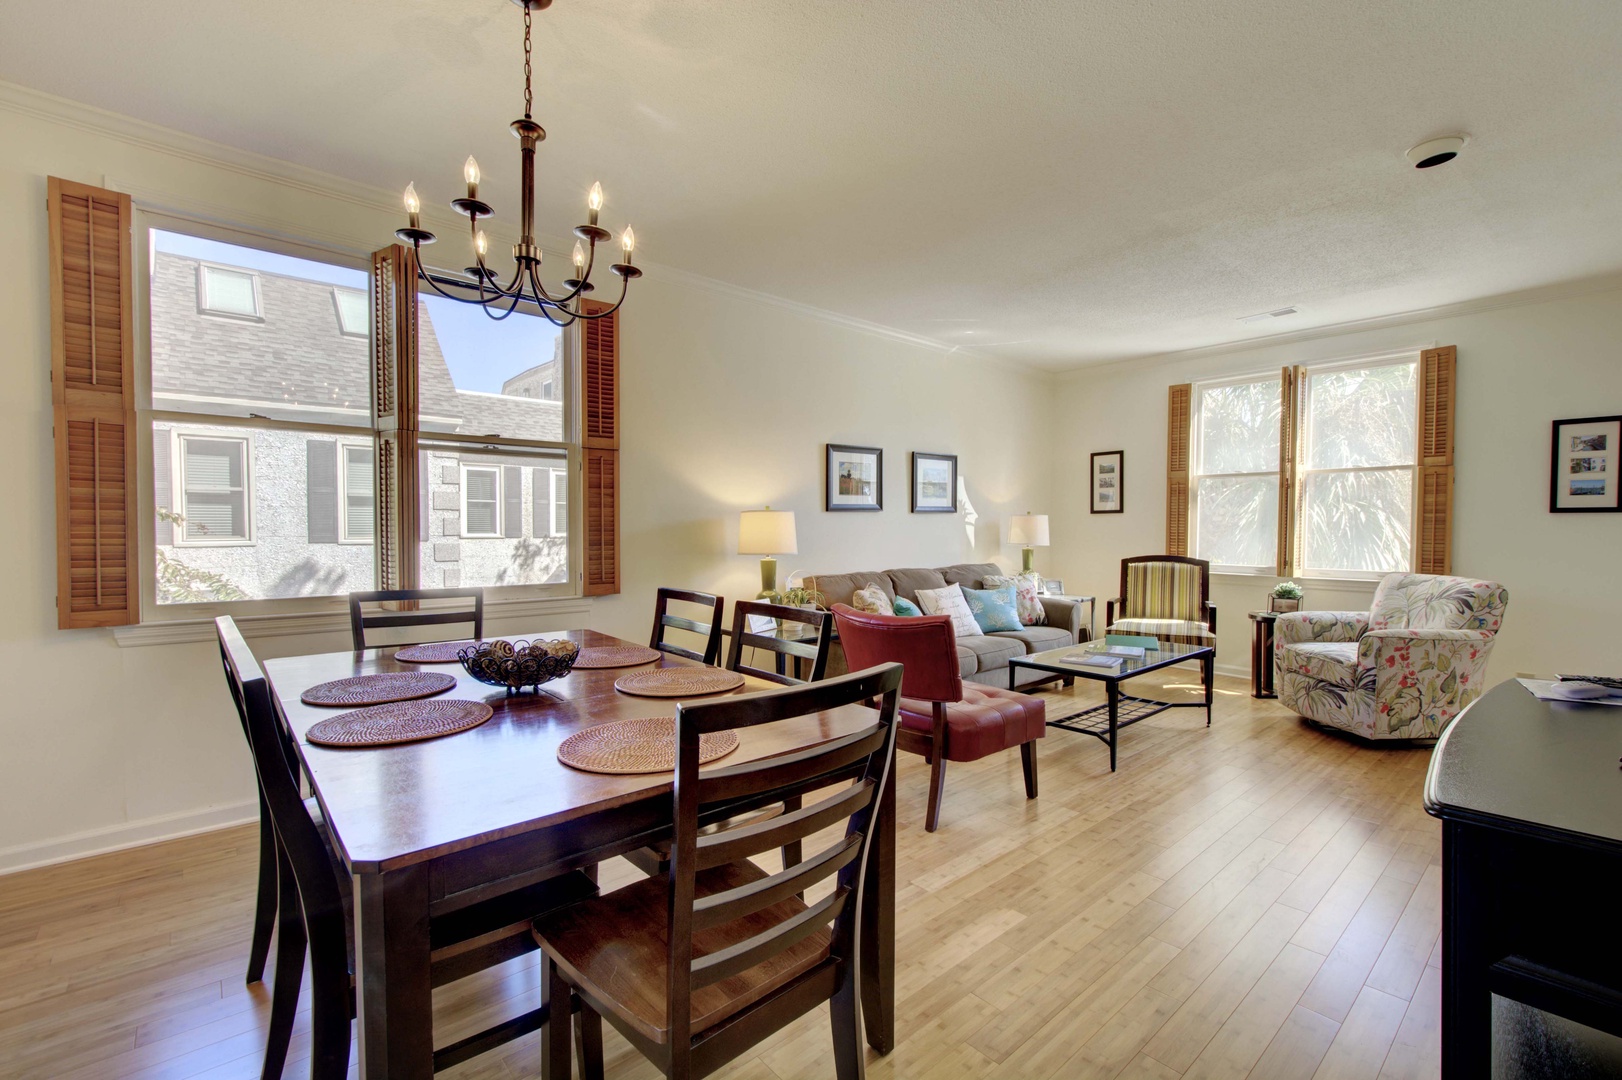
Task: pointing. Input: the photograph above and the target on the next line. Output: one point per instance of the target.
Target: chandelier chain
(529, 96)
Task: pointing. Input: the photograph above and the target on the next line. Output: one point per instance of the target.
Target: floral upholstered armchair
(1404, 669)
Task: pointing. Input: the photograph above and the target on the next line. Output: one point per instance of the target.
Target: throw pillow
(1028, 594)
(949, 601)
(994, 609)
(906, 607)
(871, 599)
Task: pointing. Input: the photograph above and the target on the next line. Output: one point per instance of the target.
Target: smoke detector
(1263, 316)
(1434, 152)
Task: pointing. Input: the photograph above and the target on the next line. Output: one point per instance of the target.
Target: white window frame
(203, 305)
(558, 526)
(177, 464)
(344, 446)
(1197, 461)
(338, 309)
(462, 524)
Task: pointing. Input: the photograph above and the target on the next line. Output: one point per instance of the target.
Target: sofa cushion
(1037, 639)
(873, 600)
(908, 582)
(1333, 662)
(988, 720)
(1028, 591)
(950, 602)
(994, 609)
(970, 575)
(840, 588)
(992, 651)
(968, 661)
(1162, 628)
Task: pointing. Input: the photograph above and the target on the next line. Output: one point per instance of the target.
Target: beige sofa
(983, 659)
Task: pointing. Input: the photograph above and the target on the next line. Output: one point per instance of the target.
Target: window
(359, 506)
(214, 490)
(354, 312)
(560, 502)
(223, 291)
(481, 501)
(1235, 481)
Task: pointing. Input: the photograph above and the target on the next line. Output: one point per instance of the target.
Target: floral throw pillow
(1027, 594)
(949, 601)
(871, 599)
(993, 609)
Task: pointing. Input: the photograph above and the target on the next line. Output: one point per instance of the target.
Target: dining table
(428, 828)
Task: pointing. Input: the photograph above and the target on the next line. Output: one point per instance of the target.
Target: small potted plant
(801, 597)
(1286, 596)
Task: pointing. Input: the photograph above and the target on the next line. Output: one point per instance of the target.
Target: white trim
(127, 834)
(177, 462)
(343, 489)
(461, 525)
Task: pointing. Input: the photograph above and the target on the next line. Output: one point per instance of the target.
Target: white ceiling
(1056, 182)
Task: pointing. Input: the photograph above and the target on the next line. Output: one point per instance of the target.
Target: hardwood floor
(1258, 899)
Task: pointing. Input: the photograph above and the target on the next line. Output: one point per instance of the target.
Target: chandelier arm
(434, 284)
(547, 304)
(491, 306)
(625, 285)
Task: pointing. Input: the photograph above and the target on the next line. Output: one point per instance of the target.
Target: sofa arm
(1421, 679)
(1302, 626)
(1063, 613)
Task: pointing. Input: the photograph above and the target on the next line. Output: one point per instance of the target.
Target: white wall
(1519, 367)
(726, 402)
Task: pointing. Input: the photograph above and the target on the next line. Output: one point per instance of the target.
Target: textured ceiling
(1056, 182)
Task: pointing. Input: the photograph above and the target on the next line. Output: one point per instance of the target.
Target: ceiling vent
(1263, 316)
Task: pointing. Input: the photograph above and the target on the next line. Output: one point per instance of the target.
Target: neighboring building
(544, 381)
(264, 513)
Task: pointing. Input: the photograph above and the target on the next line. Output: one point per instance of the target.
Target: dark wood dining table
(428, 828)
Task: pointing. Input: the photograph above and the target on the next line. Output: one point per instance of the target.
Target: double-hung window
(1235, 481)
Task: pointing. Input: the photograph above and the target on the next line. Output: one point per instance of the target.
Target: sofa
(982, 659)
(1402, 670)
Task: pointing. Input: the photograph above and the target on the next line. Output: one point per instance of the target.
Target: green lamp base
(1030, 559)
(768, 581)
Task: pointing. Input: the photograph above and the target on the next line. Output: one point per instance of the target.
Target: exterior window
(546, 390)
(354, 312)
(214, 490)
(481, 501)
(222, 291)
(560, 502)
(359, 506)
(1235, 481)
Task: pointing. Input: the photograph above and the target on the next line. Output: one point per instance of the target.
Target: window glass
(228, 292)
(560, 502)
(354, 311)
(1235, 482)
(1362, 418)
(480, 376)
(1237, 520)
(360, 502)
(494, 518)
(214, 480)
(1360, 521)
(481, 501)
(1239, 428)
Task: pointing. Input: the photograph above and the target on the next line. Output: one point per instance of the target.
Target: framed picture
(934, 483)
(854, 478)
(1052, 586)
(1109, 481)
(1583, 465)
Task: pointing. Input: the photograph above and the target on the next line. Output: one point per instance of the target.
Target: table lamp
(1031, 530)
(767, 532)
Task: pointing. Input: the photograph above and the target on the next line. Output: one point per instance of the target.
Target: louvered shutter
(600, 361)
(394, 416)
(163, 481)
(1438, 377)
(321, 491)
(93, 405)
(1177, 433)
(1284, 557)
(541, 481)
(512, 497)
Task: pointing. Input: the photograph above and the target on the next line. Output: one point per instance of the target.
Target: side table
(1261, 654)
(1092, 608)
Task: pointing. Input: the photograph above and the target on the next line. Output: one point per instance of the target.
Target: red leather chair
(942, 718)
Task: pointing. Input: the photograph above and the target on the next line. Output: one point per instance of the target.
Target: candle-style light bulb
(413, 205)
(481, 244)
(628, 242)
(470, 173)
(594, 201)
(579, 257)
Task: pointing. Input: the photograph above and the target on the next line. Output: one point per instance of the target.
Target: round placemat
(678, 682)
(399, 722)
(647, 745)
(435, 652)
(379, 689)
(616, 656)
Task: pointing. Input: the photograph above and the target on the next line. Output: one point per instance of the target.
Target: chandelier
(480, 284)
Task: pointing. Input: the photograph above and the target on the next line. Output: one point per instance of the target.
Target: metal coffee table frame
(1104, 722)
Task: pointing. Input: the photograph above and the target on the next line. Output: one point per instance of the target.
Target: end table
(1261, 654)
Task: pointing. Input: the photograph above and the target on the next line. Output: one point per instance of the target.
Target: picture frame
(853, 478)
(1108, 487)
(934, 483)
(1585, 456)
(1052, 587)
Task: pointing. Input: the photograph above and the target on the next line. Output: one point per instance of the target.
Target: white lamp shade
(767, 532)
(1028, 530)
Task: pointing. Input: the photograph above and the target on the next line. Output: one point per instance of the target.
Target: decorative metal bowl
(514, 665)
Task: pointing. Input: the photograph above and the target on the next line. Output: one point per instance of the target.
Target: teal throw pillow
(994, 609)
(906, 607)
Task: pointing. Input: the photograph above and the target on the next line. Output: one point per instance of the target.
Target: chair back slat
(768, 943)
(710, 631)
(799, 769)
(471, 612)
(748, 899)
(819, 624)
(736, 844)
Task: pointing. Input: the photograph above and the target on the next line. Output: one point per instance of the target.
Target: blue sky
(480, 353)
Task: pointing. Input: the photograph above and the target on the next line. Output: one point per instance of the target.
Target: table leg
(1466, 998)
(878, 928)
(394, 996)
(1208, 670)
(1113, 690)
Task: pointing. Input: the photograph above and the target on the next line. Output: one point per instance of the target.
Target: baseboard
(130, 834)
(1234, 670)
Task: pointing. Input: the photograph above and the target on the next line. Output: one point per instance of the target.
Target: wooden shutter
(394, 416)
(93, 406)
(599, 364)
(1437, 388)
(512, 495)
(1284, 556)
(321, 491)
(1177, 433)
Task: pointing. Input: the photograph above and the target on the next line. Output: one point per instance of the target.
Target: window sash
(215, 497)
(490, 504)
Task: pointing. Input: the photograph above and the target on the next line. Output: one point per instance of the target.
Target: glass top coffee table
(1121, 710)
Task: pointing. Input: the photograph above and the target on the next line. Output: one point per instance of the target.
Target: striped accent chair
(1166, 597)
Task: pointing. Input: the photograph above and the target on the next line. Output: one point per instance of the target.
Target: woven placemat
(647, 745)
(379, 689)
(616, 656)
(434, 652)
(399, 722)
(678, 682)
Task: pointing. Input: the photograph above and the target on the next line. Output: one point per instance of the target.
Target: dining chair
(360, 620)
(697, 965)
(709, 631)
(813, 647)
(942, 717)
(315, 903)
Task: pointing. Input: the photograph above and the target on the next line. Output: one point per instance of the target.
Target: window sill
(193, 631)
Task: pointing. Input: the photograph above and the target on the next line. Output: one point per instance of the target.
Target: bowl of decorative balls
(514, 665)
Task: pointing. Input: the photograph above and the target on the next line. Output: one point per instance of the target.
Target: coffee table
(1105, 721)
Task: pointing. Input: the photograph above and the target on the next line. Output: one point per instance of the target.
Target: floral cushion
(1430, 602)
(872, 600)
(1328, 661)
(994, 610)
(950, 602)
(1028, 591)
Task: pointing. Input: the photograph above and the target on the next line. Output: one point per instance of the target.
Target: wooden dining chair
(697, 965)
(812, 647)
(315, 904)
(710, 631)
(439, 615)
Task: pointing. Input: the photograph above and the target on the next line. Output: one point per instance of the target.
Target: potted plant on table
(1286, 596)
(801, 597)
